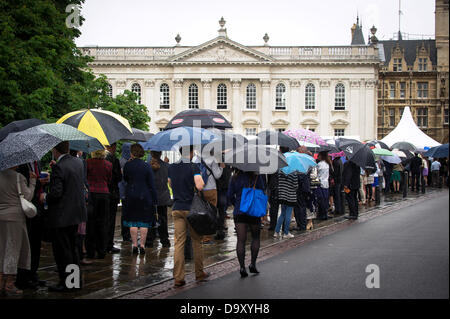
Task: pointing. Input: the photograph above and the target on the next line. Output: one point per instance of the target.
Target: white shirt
(323, 172)
(435, 166)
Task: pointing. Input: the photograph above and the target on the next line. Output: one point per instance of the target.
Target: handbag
(202, 216)
(27, 207)
(253, 201)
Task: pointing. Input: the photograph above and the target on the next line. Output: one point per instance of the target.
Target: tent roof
(407, 131)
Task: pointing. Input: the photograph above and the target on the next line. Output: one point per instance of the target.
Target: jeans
(285, 218)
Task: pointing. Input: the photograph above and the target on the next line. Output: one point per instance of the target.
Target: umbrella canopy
(261, 159)
(33, 143)
(228, 140)
(358, 153)
(298, 162)
(393, 159)
(18, 126)
(303, 135)
(438, 151)
(382, 151)
(404, 146)
(277, 138)
(108, 127)
(342, 142)
(173, 139)
(138, 135)
(203, 118)
(378, 144)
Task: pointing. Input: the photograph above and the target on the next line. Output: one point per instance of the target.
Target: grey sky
(287, 22)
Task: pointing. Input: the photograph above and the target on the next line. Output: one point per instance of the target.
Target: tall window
(391, 117)
(392, 90)
(193, 96)
(446, 116)
(339, 132)
(164, 96)
(310, 97)
(250, 131)
(110, 92)
(422, 117)
(136, 88)
(222, 96)
(402, 90)
(422, 64)
(397, 64)
(422, 90)
(280, 97)
(339, 97)
(251, 96)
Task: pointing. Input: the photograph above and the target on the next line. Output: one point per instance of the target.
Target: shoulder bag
(27, 207)
(253, 201)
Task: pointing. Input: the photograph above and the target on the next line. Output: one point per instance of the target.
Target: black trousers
(111, 222)
(352, 201)
(97, 225)
(273, 213)
(300, 215)
(35, 229)
(163, 228)
(65, 252)
(222, 211)
(415, 180)
(336, 193)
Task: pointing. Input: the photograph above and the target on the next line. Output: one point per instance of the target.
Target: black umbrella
(203, 118)
(261, 159)
(359, 153)
(404, 146)
(380, 144)
(228, 140)
(342, 142)
(329, 148)
(268, 137)
(18, 126)
(138, 135)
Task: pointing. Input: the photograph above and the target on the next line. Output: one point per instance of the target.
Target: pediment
(340, 122)
(280, 122)
(221, 49)
(162, 121)
(310, 122)
(250, 122)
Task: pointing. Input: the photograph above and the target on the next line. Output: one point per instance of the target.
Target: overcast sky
(287, 22)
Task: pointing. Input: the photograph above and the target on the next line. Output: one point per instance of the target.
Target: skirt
(396, 176)
(14, 247)
(425, 172)
(246, 219)
(137, 224)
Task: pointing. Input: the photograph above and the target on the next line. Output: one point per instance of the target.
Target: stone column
(371, 111)
(149, 98)
(354, 109)
(178, 84)
(236, 112)
(120, 85)
(294, 103)
(266, 104)
(325, 107)
(363, 114)
(206, 83)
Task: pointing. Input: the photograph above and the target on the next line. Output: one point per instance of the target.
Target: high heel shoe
(135, 251)
(243, 272)
(253, 269)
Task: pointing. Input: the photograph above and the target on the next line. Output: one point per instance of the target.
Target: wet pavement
(124, 272)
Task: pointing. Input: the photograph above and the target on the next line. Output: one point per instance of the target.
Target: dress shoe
(179, 283)
(243, 272)
(114, 250)
(135, 251)
(141, 250)
(202, 277)
(253, 269)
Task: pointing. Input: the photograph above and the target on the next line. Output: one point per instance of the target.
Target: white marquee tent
(407, 131)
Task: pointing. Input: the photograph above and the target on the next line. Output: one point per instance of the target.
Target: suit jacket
(350, 176)
(66, 196)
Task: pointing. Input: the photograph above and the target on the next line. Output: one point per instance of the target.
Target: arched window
(222, 96)
(164, 96)
(193, 96)
(339, 97)
(280, 97)
(110, 91)
(136, 88)
(251, 96)
(310, 97)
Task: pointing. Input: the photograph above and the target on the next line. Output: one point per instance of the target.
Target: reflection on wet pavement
(124, 272)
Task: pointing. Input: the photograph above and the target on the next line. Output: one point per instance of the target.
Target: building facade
(415, 73)
(328, 89)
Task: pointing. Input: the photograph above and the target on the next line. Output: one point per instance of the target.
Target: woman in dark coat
(140, 197)
(243, 222)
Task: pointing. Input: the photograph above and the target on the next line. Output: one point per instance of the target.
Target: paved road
(410, 246)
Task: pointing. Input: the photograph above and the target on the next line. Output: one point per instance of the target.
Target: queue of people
(77, 205)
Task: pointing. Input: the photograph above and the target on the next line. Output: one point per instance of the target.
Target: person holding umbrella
(396, 177)
(351, 182)
(322, 194)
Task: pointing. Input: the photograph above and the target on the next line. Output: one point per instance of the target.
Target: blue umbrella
(298, 162)
(438, 151)
(181, 136)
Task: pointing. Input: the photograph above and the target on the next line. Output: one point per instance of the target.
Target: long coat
(140, 192)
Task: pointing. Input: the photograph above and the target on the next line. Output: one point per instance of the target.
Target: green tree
(43, 74)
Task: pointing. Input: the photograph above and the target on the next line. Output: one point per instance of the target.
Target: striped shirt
(287, 188)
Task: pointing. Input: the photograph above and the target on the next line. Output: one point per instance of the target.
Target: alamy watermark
(73, 19)
(73, 280)
(373, 279)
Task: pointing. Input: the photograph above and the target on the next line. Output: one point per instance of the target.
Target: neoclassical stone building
(329, 89)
